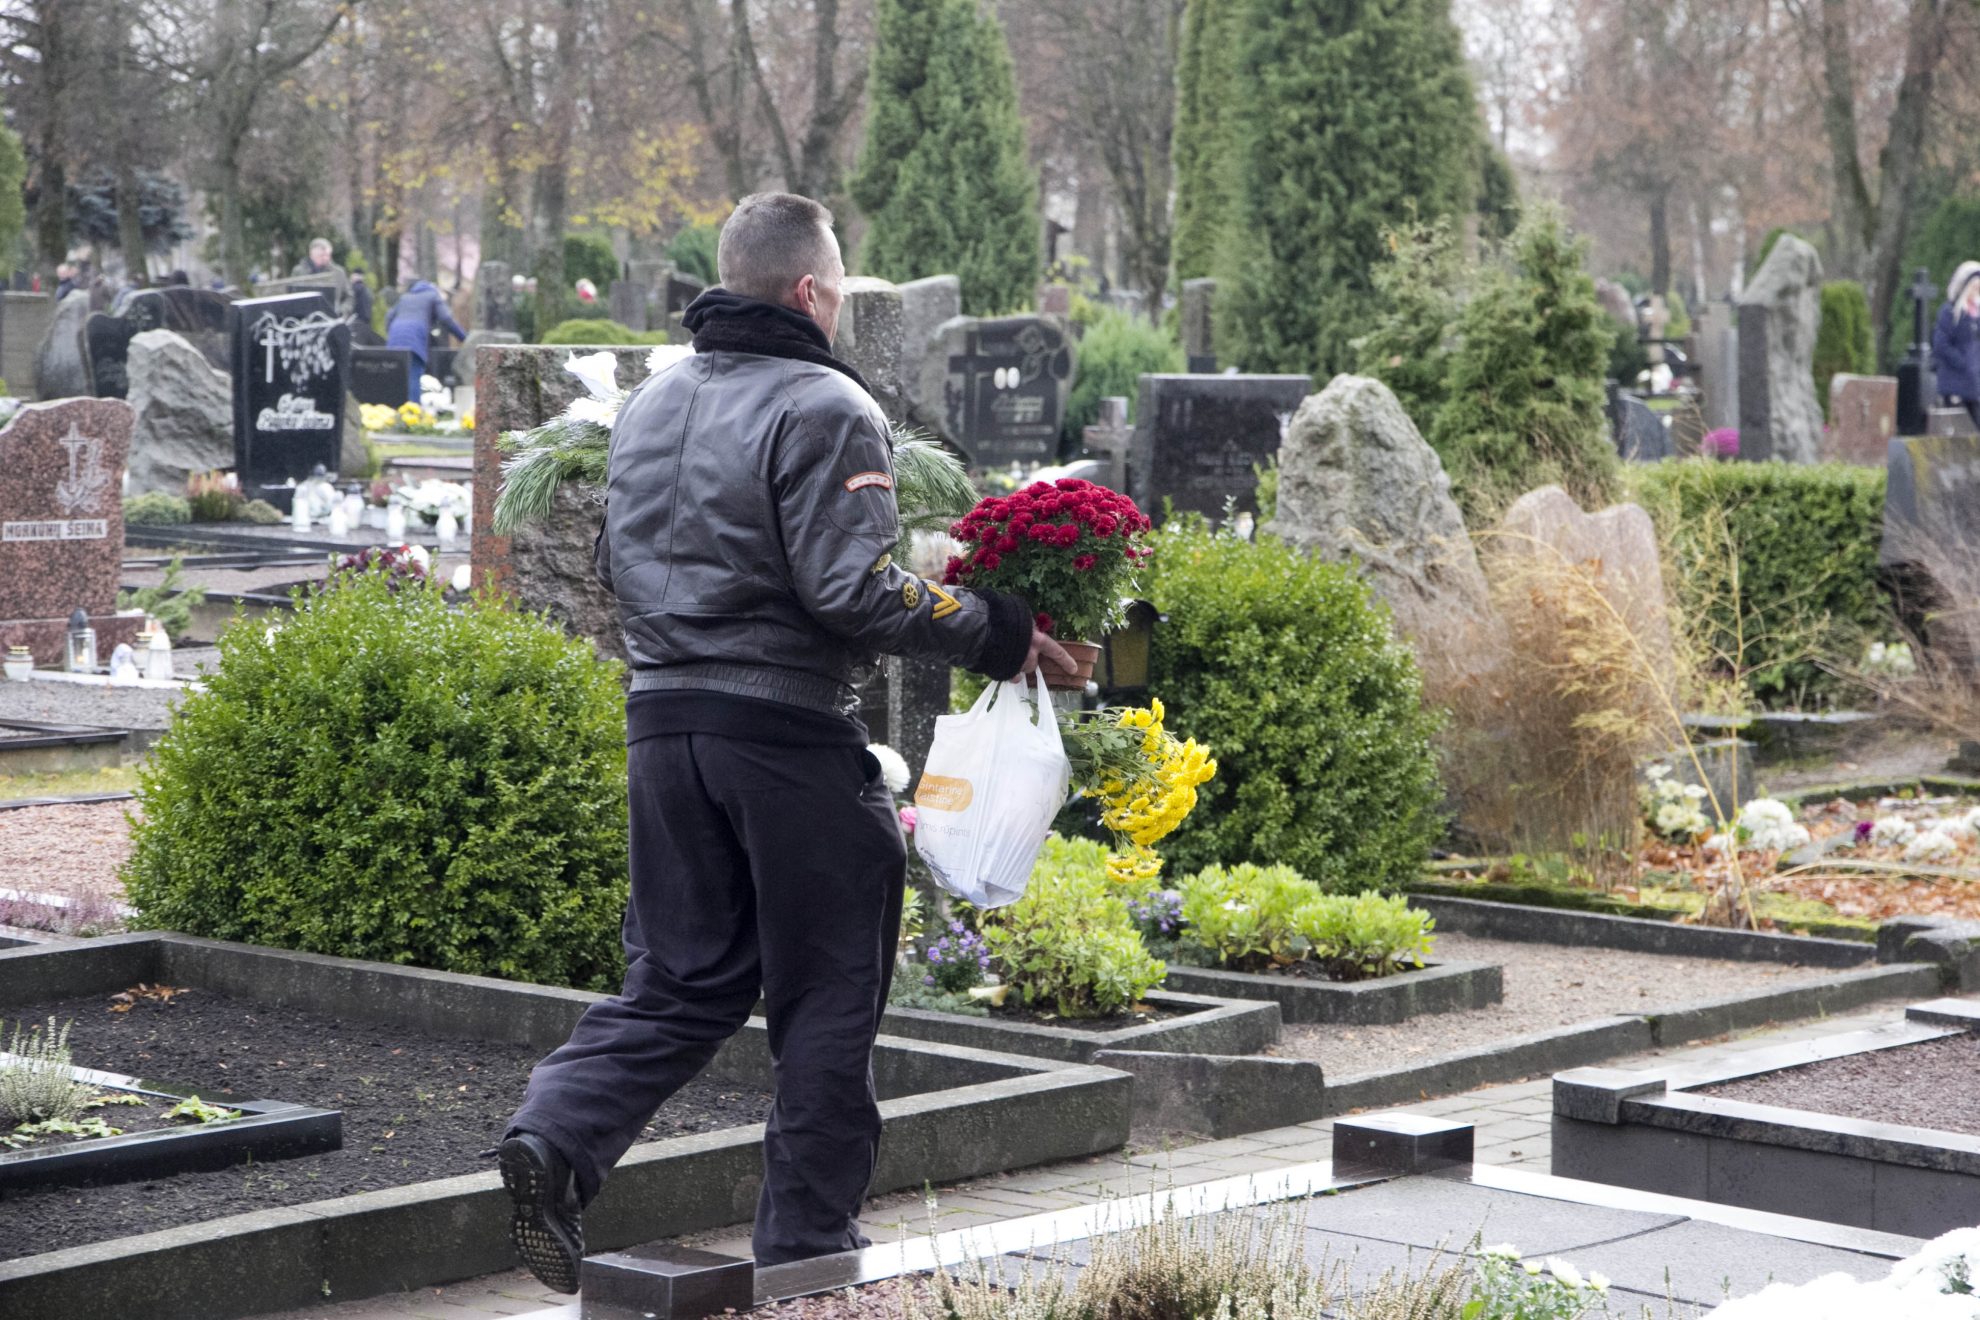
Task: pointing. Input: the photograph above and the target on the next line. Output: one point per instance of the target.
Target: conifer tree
(1345, 113)
(944, 177)
(1206, 65)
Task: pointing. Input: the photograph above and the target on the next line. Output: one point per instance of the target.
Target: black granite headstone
(292, 362)
(107, 341)
(1005, 394)
(1932, 501)
(1199, 440)
(1640, 434)
(379, 375)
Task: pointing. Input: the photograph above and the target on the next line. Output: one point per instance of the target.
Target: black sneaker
(547, 1227)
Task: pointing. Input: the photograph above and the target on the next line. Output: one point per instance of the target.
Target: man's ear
(804, 295)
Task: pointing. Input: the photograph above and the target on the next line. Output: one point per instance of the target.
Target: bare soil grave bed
(1933, 1084)
(416, 1107)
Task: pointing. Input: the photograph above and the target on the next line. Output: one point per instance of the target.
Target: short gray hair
(770, 242)
(323, 243)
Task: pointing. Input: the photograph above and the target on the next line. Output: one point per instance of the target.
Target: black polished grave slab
(1371, 1145)
(292, 359)
(1004, 397)
(267, 1130)
(381, 376)
(661, 1281)
(1200, 440)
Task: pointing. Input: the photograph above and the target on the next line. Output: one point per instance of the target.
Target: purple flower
(1862, 830)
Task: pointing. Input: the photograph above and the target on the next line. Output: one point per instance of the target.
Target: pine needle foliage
(1344, 116)
(1203, 161)
(1843, 340)
(944, 176)
(1523, 403)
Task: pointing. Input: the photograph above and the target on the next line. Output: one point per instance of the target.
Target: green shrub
(264, 514)
(693, 251)
(590, 257)
(383, 777)
(171, 602)
(585, 331)
(1251, 918)
(1285, 667)
(1113, 356)
(1419, 292)
(1523, 403)
(1844, 342)
(157, 508)
(1677, 323)
(1069, 945)
(1804, 542)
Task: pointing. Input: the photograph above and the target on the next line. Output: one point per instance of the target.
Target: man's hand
(1043, 648)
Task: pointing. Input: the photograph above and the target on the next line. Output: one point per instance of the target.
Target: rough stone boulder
(1779, 314)
(1356, 480)
(550, 569)
(1616, 547)
(185, 413)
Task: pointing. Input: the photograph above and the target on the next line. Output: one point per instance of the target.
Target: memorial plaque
(61, 520)
(291, 371)
(380, 375)
(1199, 440)
(1004, 387)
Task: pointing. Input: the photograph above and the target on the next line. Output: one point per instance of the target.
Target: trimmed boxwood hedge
(383, 777)
(1807, 539)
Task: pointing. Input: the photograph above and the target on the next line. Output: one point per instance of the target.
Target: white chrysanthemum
(592, 410)
(431, 385)
(1961, 828)
(666, 355)
(1566, 1273)
(599, 372)
(1931, 846)
(1890, 831)
(1681, 818)
(1505, 1250)
(1598, 1281)
(893, 767)
(1770, 826)
(1696, 792)
(1948, 1257)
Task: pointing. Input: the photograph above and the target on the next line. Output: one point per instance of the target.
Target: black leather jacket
(748, 532)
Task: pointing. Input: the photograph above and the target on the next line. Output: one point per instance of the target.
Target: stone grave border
(977, 1112)
(266, 1130)
(1436, 987)
(1648, 1131)
(57, 748)
(1211, 1026)
(78, 800)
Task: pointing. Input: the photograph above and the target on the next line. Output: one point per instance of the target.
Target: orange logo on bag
(941, 793)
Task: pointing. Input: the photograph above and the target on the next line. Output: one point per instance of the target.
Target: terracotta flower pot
(1085, 655)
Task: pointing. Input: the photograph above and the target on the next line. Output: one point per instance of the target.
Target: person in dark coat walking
(748, 538)
(1956, 342)
(419, 313)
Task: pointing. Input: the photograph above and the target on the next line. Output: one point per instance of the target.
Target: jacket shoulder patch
(945, 604)
(865, 479)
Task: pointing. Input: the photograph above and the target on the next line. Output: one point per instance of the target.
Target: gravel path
(70, 850)
(1547, 986)
(1929, 1085)
(107, 707)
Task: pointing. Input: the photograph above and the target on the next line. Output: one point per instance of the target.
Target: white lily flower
(600, 373)
(666, 355)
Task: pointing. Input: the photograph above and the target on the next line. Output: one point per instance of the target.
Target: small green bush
(1285, 667)
(1069, 945)
(1804, 540)
(264, 514)
(1844, 342)
(585, 331)
(590, 257)
(157, 508)
(693, 251)
(1250, 918)
(384, 777)
(171, 602)
(1114, 354)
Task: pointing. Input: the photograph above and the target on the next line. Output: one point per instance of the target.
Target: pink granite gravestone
(1862, 419)
(62, 523)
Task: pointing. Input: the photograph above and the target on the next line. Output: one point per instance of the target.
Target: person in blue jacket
(1956, 341)
(418, 313)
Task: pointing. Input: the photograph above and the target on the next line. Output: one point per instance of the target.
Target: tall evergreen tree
(1345, 114)
(944, 176)
(1206, 66)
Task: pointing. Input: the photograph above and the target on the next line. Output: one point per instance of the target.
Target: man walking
(747, 537)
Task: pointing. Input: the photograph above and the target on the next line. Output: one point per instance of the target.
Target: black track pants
(755, 867)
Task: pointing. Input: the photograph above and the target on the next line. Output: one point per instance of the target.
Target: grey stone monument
(1718, 351)
(494, 298)
(24, 321)
(61, 371)
(1778, 316)
(184, 413)
(1199, 300)
(870, 341)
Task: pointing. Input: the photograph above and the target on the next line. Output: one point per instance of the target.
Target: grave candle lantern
(82, 644)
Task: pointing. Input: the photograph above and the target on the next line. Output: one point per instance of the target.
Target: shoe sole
(551, 1250)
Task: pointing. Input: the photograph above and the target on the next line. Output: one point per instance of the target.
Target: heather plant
(37, 1082)
(387, 777)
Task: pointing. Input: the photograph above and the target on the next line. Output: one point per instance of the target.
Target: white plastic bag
(994, 780)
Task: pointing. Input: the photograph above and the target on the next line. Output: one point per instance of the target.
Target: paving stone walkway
(1512, 1121)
